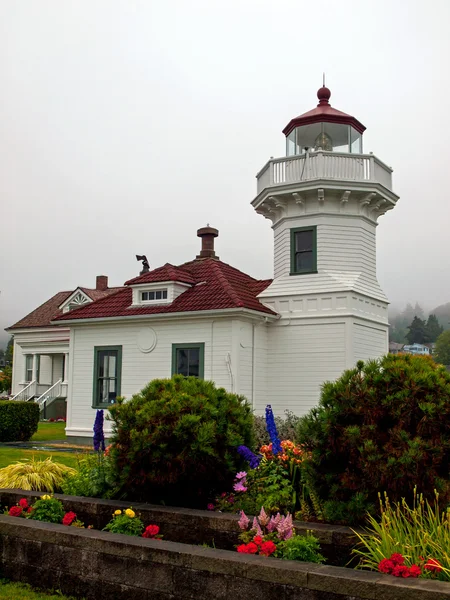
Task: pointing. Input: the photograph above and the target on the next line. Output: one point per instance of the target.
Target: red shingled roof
(165, 273)
(47, 312)
(215, 286)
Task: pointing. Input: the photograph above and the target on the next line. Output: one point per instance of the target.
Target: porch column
(35, 367)
(66, 367)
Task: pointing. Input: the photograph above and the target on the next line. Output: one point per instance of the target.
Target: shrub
(33, 474)
(47, 509)
(93, 477)
(18, 420)
(416, 537)
(384, 425)
(305, 548)
(126, 522)
(176, 440)
(286, 427)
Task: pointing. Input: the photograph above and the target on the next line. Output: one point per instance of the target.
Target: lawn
(19, 591)
(11, 455)
(49, 431)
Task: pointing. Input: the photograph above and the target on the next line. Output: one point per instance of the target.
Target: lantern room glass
(328, 137)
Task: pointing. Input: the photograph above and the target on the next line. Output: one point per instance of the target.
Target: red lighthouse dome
(324, 128)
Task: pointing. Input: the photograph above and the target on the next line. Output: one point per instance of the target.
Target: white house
(420, 349)
(274, 341)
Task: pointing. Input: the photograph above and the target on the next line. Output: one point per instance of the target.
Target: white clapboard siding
(369, 342)
(300, 359)
(138, 368)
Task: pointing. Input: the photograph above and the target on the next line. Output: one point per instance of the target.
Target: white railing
(27, 392)
(51, 394)
(324, 165)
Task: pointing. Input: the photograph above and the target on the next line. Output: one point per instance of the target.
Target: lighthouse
(324, 200)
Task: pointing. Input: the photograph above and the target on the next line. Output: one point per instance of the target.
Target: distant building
(395, 348)
(417, 349)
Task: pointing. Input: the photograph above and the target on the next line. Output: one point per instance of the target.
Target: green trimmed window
(107, 375)
(303, 250)
(188, 360)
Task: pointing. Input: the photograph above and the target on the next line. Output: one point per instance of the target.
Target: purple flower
(99, 437)
(251, 458)
(210, 506)
(272, 524)
(272, 431)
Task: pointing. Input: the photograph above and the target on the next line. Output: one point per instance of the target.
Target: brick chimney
(101, 283)
(207, 234)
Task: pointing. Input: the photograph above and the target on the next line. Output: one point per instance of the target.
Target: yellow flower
(130, 513)
(46, 497)
(117, 513)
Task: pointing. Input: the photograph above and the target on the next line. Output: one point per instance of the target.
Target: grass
(20, 591)
(49, 431)
(11, 455)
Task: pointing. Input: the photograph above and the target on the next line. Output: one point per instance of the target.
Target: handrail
(21, 395)
(47, 396)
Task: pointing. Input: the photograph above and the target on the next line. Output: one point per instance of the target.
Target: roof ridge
(227, 286)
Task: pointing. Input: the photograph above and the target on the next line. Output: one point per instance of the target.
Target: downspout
(253, 366)
(212, 348)
(230, 371)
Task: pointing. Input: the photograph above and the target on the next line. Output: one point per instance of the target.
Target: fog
(127, 125)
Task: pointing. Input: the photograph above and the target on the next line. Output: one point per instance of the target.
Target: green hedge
(18, 420)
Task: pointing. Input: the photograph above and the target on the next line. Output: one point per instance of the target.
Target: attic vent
(207, 234)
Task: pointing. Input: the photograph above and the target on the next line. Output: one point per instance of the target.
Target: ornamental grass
(33, 474)
(419, 533)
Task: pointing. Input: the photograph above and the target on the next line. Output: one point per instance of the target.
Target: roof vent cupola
(207, 234)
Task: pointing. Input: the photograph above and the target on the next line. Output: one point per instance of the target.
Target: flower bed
(95, 564)
(190, 526)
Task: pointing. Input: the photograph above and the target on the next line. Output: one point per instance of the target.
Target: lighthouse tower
(324, 199)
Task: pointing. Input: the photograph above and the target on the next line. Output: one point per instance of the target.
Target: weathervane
(145, 265)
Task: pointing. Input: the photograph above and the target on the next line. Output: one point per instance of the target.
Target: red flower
(15, 511)
(414, 571)
(23, 503)
(433, 565)
(69, 518)
(252, 548)
(242, 548)
(386, 566)
(267, 548)
(397, 559)
(30, 509)
(400, 571)
(258, 540)
(151, 531)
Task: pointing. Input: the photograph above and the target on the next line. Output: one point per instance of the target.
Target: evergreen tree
(442, 352)
(434, 329)
(417, 333)
(9, 350)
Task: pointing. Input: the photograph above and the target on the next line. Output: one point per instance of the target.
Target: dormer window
(154, 295)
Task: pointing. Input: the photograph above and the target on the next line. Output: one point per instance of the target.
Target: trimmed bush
(18, 420)
(381, 427)
(176, 441)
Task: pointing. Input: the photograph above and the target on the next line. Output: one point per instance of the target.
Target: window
(107, 375)
(188, 359)
(303, 250)
(154, 295)
(28, 368)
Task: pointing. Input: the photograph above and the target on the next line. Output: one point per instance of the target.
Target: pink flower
(273, 522)
(223, 495)
(243, 521)
(241, 475)
(285, 527)
(239, 487)
(210, 506)
(256, 528)
(263, 518)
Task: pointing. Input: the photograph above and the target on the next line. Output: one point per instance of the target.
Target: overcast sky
(126, 125)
